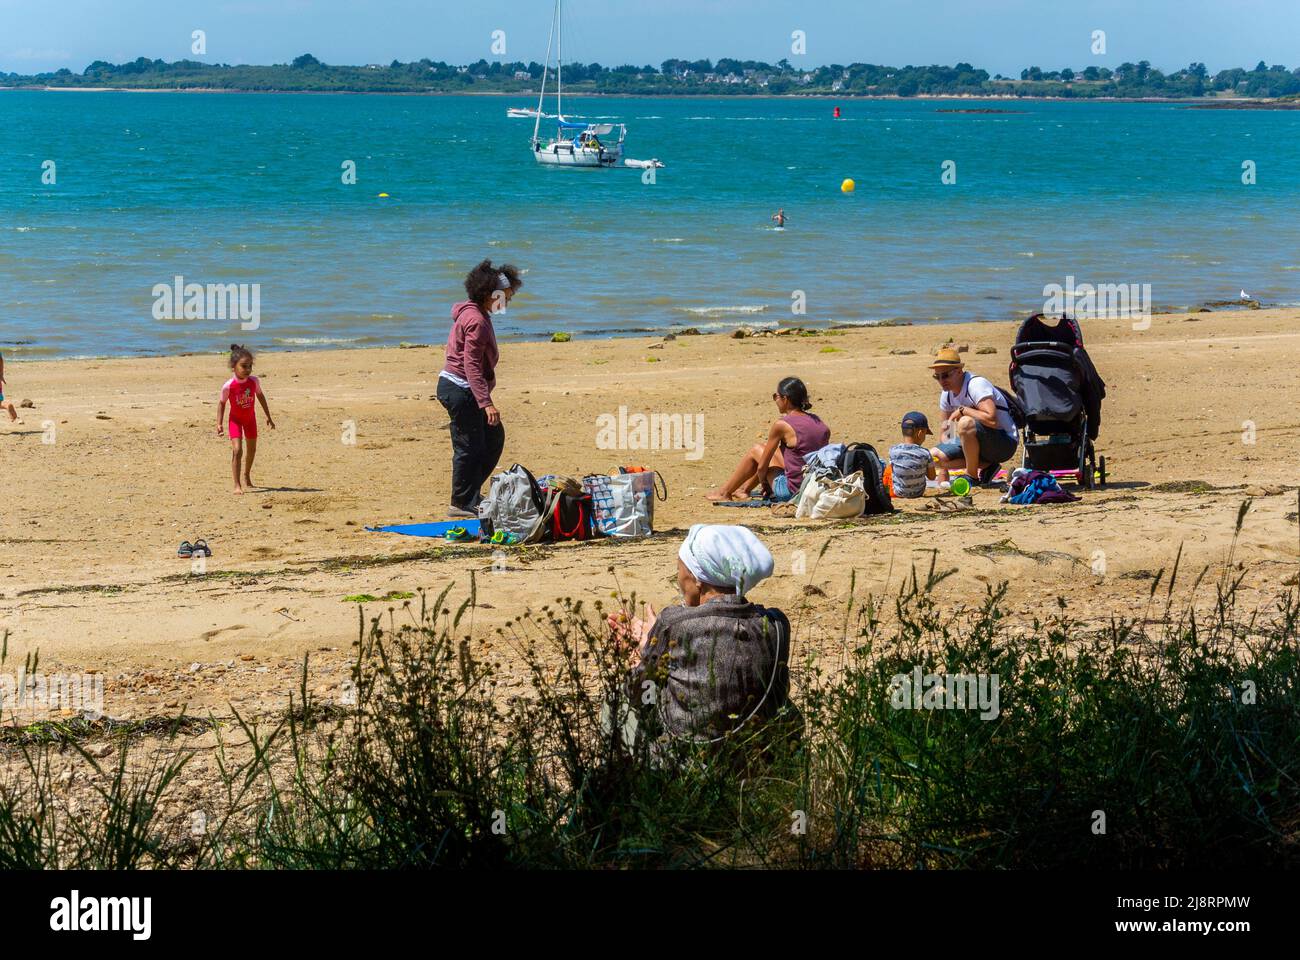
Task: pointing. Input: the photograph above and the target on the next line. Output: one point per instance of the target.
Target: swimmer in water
(779, 217)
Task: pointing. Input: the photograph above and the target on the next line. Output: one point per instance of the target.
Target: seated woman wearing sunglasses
(776, 466)
(985, 435)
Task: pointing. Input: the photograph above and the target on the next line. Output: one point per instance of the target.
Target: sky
(1002, 36)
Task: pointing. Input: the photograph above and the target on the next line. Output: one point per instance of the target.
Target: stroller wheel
(1101, 471)
(1085, 467)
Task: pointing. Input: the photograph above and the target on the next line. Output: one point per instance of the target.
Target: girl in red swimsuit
(240, 391)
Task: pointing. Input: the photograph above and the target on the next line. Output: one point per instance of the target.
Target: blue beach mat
(752, 502)
(428, 529)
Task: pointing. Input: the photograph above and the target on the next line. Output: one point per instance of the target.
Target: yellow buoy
(384, 194)
(847, 186)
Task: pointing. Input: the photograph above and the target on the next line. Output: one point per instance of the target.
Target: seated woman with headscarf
(717, 661)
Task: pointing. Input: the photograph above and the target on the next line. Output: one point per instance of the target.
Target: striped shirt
(909, 463)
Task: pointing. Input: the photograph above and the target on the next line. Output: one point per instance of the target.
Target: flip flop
(460, 535)
(185, 550)
(201, 546)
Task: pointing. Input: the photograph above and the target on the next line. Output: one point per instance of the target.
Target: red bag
(571, 517)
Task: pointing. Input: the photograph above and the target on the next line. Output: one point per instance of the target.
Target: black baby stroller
(1061, 393)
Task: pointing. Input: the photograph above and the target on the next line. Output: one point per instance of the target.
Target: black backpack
(863, 456)
(1013, 405)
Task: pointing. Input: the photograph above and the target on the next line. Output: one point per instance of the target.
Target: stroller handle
(1043, 345)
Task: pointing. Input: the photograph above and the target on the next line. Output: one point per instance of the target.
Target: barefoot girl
(777, 464)
(239, 392)
(7, 405)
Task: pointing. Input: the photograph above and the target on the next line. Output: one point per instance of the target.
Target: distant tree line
(725, 76)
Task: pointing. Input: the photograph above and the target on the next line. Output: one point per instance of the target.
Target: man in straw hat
(985, 434)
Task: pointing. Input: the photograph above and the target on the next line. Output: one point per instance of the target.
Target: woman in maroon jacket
(466, 382)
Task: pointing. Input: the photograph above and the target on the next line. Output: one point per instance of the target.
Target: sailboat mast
(546, 65)
(559, 64)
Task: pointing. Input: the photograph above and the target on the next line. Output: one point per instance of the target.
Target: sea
(107, 198)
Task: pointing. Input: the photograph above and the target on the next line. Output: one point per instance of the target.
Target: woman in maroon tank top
(776, 466)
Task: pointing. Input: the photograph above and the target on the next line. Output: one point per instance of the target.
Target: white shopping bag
(822, 496)
(623, 505)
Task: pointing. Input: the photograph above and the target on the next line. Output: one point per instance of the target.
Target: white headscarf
(725, 556)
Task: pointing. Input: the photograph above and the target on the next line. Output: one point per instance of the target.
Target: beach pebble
(195, 667)
(987, 350)
(27, 403)
(690, 332)
(902, 353)
(740, 333)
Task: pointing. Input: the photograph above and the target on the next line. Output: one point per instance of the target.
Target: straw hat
(947, 357)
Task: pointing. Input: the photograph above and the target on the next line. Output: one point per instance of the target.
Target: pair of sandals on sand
(461, 535)
(199, 548)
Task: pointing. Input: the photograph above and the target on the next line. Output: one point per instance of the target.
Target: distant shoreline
(1201, 103)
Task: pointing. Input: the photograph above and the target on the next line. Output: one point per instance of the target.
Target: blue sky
(1003, 36)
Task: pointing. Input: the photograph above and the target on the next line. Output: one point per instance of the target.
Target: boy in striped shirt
(910, 463)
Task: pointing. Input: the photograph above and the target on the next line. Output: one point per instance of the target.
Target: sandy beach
(89, 574)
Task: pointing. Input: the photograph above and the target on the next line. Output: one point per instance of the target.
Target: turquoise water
(246, 188)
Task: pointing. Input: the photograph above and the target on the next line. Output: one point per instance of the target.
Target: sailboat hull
(567, 155)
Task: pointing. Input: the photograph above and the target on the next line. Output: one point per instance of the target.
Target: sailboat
(576, 143)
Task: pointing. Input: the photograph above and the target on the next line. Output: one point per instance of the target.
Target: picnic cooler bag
(623, 505)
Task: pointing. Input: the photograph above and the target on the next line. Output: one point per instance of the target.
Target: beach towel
(751, 502)
(428, 529)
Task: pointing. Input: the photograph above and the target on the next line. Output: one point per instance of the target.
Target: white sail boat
(576, 143)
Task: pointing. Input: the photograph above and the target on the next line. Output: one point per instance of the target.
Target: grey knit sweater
(714, 666)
